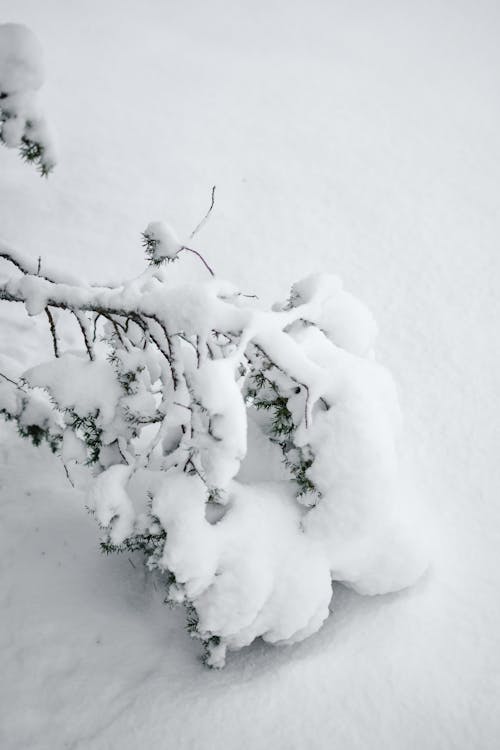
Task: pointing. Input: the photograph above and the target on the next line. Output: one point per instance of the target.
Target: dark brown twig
(200, 256)
(82, 322)
(53, 331)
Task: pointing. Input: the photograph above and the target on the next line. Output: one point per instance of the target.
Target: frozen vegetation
(22, 124)
(156, 407)
(251, 455)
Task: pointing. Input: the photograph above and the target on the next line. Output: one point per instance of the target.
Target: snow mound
(253, 573)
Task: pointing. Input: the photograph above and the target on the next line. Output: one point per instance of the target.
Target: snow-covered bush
(250, 454)
(156, 406)
(22, 124)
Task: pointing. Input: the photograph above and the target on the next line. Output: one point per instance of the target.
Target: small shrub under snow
(178, 389)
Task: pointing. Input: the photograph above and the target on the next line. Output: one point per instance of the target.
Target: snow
(367, 515)
(344, 514)
(21, 59)
(253, 573)
(21, 66)
(164, 241)
(224, 446)
(359, 139)
(342, 317)
(93, 383)
(109, 499)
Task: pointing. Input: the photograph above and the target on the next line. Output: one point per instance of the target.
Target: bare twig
(205, 218)
(68, 477)
(84, 328)
(116, 325)
(15, 261)
(200, 256)
(308, 406)
(94, 329)
(27, 267)
(5, 377)
(53, 331)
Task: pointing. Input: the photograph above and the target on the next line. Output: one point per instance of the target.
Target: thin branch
(53, 331)
(248, 296)
(211, 351)
(170, 356)
(94, 331)
(68, 477)
(26, 266)
(15, 261)
(200, 256)
(205, 218)
(307, 405)
(10, 380)
(84, 325)
(106, 311)
(198, 351)
(183, 406)
(116, 325)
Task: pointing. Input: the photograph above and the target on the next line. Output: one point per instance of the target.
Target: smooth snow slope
(356, 137)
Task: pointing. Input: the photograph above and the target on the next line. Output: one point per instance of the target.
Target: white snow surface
(356, 138)
(21, 59)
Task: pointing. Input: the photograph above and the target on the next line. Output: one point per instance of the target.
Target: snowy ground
(356, 137)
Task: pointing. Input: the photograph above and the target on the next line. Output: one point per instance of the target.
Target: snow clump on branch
(22, 124)
(161, 242)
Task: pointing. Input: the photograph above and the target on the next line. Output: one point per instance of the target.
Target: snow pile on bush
(153, 416)
(155, 411)
(22, 124)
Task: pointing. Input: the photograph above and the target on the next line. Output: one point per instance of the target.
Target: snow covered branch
(156, 408)
(177, 388)
(22, 124)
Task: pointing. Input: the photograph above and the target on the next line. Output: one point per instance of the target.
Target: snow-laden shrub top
(155, 412)
(22, 124)
(178, 387)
